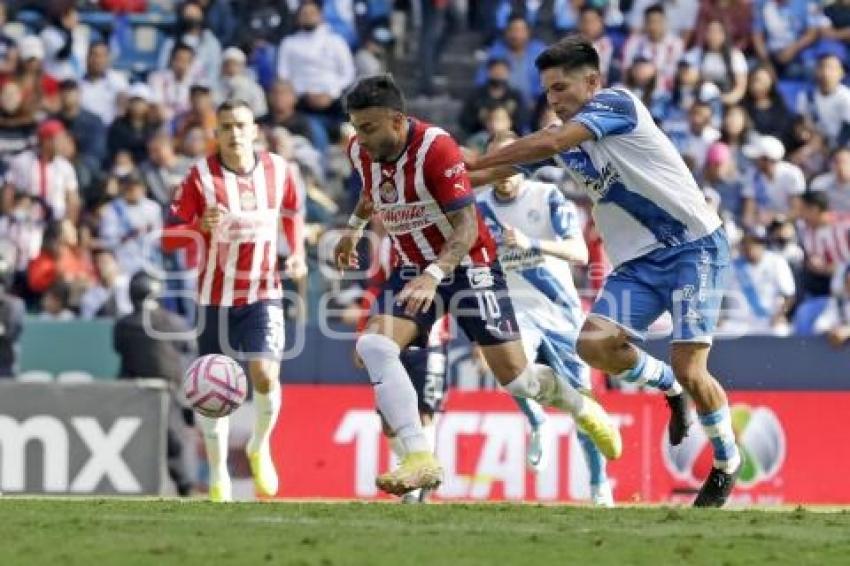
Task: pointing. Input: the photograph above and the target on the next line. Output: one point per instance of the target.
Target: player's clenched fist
(211, 218)
(345, 253)
(418, 294)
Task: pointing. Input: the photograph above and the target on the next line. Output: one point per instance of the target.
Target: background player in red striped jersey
(234, 203)
(414, 179)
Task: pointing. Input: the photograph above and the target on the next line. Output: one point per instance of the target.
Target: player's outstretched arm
(534, 147)
(483, 177)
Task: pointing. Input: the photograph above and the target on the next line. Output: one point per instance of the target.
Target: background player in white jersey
(234, 204)
(667, 246)
(537, 232)
(414, 179)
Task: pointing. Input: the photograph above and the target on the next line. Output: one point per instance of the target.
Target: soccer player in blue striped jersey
(666, 244)
(538, 234)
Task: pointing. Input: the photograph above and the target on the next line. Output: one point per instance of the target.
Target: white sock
(652, 372)
(267, 407)
(397, 448)
(216, 433)
(430, 431)
(395, 396)
(540, 383)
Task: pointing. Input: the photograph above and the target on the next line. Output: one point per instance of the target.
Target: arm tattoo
(465, 230)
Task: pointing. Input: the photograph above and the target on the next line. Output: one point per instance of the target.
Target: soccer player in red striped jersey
(414, 180)
(234, 204)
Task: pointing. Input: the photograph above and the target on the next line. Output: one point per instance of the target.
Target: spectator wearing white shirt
(127, 223)
(318, 64)
(591, 24)
(55, 303)
(656, 44)
(110, 297)
(827, 105)
(235, 83)
(834, 321)
(700, 136)
(46, 175)
(836, 183)
(101, 86)
(774, 187)
(681, 15)
(171, 86)
(721, 63)
(66, 43)
(762, 289)
(190, 31)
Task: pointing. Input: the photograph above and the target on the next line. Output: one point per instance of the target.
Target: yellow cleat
(417, 470)
(598, 425)
(221, 492)
(265, 476)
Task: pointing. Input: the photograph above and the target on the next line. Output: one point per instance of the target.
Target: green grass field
(96, 532)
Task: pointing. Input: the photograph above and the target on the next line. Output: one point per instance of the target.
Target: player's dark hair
(654, 9)
(817, 199)
(571, 53)
(379, 91)
(232, 104)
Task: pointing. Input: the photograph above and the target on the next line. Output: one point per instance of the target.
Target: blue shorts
(243, 333)
(476, 296)
(688, 280)
(427, 368)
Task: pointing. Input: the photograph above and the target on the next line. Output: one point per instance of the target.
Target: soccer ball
(215, 385)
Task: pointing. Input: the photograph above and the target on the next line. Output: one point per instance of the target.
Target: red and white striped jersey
(412, 195)
(238, 265)
(829, 242)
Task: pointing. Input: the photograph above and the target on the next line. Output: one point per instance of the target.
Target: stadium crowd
(104, 106)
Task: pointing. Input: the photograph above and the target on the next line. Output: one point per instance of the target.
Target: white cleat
(537, 455)
(602, 495)
(262, 468)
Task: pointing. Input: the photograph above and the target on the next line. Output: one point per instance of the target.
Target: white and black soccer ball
(215, 385)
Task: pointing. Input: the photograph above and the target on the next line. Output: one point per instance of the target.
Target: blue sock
(533, 411)
(718, 429)
(593, 457)
(653, 373)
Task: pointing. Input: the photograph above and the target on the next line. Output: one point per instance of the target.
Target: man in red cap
(45, 174)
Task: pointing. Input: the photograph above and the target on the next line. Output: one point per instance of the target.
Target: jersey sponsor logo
(455, 170)
(388, 191)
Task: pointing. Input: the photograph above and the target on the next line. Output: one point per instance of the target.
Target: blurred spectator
(39, 88)
(768, 112)
(170, 87)
(66, 43)
(520, 50)
(838, 14)
(101, 85)
(642, 80)
(836, 183)
(825, 237)
(45, 174)
(126, 224)
(721, 63)
(283, 113)
(762, 289)
(110, 297)
(775, 185)
(56, 303)
(263, 22)
(21, 231)
(194, 144)
(219, 19)
(827, 104)
(8, 47)
(497, 91)
(164, 170)
(834, 321)
(85, 127)
(737, 18)
(12, 312)
(681, 15)
(201, 114)
(701, 134)
(437, 23)
(236, 83)
(687, 88)
(497, 121)
(370, 59)
(61, 259)
(735, 132)
(782, 239)
(782, 30)
(318, 64)
(190, 31)
(132, 131)
(591, 25)
(89, 173)
(17, 124)
(721, 175)
(655, 43)
(147, 355)
(807, 148)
